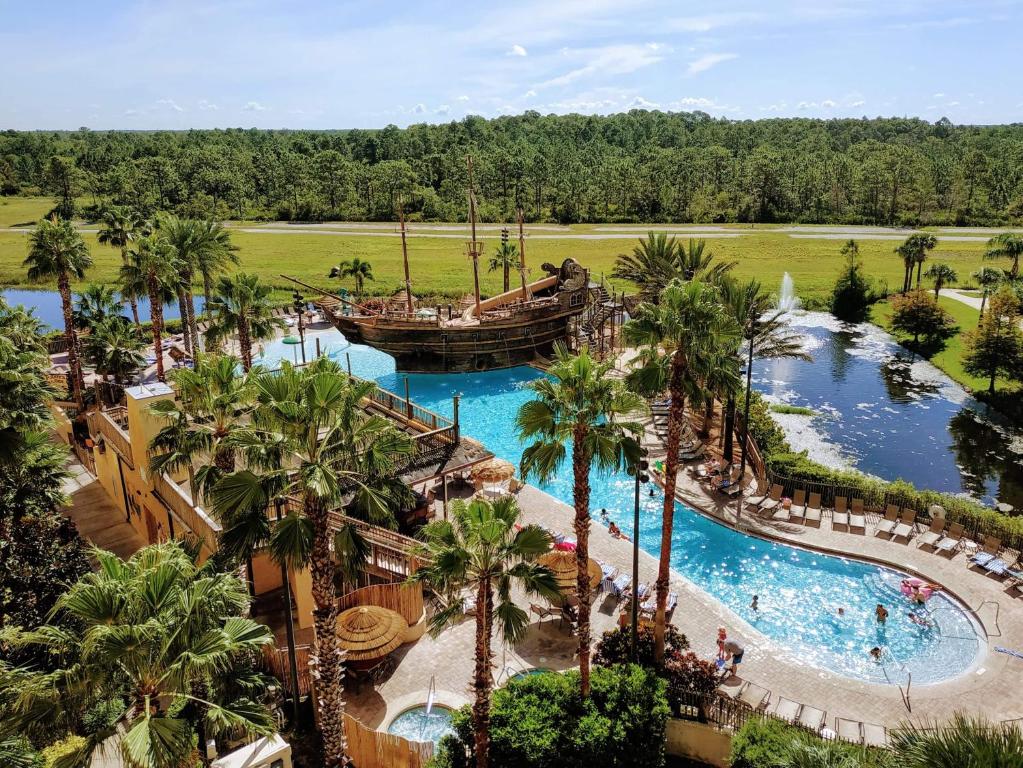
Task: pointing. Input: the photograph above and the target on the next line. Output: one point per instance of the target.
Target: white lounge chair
(891, 519)
(950, 541)
(849, 730)
(786, 709)
(771, 501)
(813, 511)
(754, 695)
(932, 535)
(857, 520)
(905, 527)
(812, 718)
(840, 517)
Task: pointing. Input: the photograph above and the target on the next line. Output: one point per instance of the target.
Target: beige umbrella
(370, 632)
(493, 471)
(562, 565)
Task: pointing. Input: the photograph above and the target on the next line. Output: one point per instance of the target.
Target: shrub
(17, 752)
(853, 293)
(919, 315)
(764, 742)
(60, 749)
(541, 721)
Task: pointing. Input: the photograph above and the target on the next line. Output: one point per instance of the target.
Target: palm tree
(696, 261)
(213, 404)
(941, 274)
(579, 404)
(95, 304)
(114, 349)
(1007, 245)
(987, 278)
(119, 230)
(659, 259)
(152, 268)
(506, 257)
(964, 741)
(213, 253)
(24, 398)
(675, 338)
(360, 271)
(160, 635)
(56, 250)
(310, 438)
(479, 551)
(914, 253)
(242, 305)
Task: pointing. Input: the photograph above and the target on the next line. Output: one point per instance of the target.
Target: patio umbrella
(370, 632)
(493, 471)
(562, 565)
(292, 341)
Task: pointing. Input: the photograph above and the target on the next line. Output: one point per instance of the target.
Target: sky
(331, 64)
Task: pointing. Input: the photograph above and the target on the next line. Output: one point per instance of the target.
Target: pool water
(799, 591)
(530, 673)
(417, 725)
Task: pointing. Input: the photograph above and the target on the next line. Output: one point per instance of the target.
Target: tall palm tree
(659, 259)
(1007, 245)
(152, 267)
(964, 741)
(242, 305)
(56, 250)
(479, 551)
(914, 253)
(360, 271)
(214, 402)
(119, 228)
(25, 394)
(941, 274)
(311, 439)
(579, 404)
(987, 278)
(696, 262)
(151, 633)
(213, 253)
(95, 304)
(675, 337)
(506, 257)
(114, 349)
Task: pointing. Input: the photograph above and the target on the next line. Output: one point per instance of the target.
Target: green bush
(540, 721)
(17, 752)
(62, 748)
(768, 743)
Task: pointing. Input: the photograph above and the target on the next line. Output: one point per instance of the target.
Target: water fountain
(787, 299)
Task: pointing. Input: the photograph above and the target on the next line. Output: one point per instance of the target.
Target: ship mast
(522, 256)
(474, 247)
(404, 258)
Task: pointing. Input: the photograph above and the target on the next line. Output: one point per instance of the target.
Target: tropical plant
(162, 635)
(214, 402)
(360, 271)
(1007, 245)
(697, 262)
(152, 269)
(119, 228)
(963, 741)
(96, 303)
(114, 349)
(918, 314)
(852, 295)
(914, 253)
(995, 347)
(506, 257)
(659, 259)
(24, 391)
(310, 438)
(56, 250)
(942, 275)
(579, 404)
(988, 278)
(675, 338)
(242, 305)
(213, 253)
(479, 551)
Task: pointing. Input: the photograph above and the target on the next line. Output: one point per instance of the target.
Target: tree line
(636, 166)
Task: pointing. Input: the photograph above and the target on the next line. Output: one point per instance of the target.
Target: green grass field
(15, 211)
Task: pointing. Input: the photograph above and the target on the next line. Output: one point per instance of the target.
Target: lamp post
(299, 306)
(639, 472)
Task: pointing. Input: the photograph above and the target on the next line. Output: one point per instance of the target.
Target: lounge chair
(905, 528)
(754, 695)
(786, 709)
(931, 536)
(798, 508)
(812, 718)
(813, 510)
(696, 453)
(849, 730)
(621, 585)
(771, 501)
(875, 735)
(857, 520)
(950, 541)
(756, 501)
(999, 567)
(891, 519)
(841, 513)
(540, 612)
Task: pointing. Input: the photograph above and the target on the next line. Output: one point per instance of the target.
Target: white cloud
(609, 60)
(463, 97)
(254, 106)
(529, 94)
(130, 112)
(207, 106)
(704, 63)
(418, 109)
(169, 104)
(709, 22)
(952, 104)
(517, 50)
(857, 103)
(805, 105)
(443, 109)
(828, 104)
(775, 107)
(938, 96)
(640, 103)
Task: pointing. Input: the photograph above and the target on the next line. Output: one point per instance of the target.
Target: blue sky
(323, 64)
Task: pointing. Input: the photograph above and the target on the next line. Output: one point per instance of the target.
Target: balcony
(112, 426)
(194, 517)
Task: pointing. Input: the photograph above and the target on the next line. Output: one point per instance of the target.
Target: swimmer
(614, 530)
(841, 611)
(875, 653)
(921, 621)
(755, 605)
(881, 613)
(603, 513)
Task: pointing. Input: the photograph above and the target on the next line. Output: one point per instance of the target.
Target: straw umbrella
(369, 632)
(563, 566)
(492, 472)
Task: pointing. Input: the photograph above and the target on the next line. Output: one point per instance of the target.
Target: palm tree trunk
(729, 428)
(245, 343)
(708, 417)
(193, 326)
(581, 500)
(186, 332)
(156, 315)
(131, 299)
(676, 417)
(983, 301)
(482, 676)
(73, 361)
(328, 661)
(207, 288)
(919, 269)
(507, 282)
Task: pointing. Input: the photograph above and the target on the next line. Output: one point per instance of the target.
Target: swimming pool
(416, 724)
(799, 591)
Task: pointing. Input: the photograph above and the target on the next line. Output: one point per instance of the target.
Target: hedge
(765, 742)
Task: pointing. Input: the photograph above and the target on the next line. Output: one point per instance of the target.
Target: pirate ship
(513, 328)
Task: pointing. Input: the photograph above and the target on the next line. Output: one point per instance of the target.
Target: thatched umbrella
(370, 632)
(562, 565)
(493, 471)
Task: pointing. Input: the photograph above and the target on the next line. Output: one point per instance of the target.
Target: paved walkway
(98, 519)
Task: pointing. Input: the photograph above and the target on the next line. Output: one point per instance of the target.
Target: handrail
(111, 430)
(192, 515)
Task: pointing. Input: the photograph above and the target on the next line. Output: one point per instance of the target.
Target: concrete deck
(99, 520)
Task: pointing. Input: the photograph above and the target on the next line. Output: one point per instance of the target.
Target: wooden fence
(404, 599)
(375, 749)
(277, 664)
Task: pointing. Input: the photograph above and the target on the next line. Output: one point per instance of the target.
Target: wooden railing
(404, 599)
(375, 749)
(276, 660)
(112, 426)
(84, 455)
(194, 517)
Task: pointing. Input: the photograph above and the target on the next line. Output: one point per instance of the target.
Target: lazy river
(799, 591)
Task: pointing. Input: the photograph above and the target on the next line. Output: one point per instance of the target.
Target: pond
(881, 410)
(48, 308)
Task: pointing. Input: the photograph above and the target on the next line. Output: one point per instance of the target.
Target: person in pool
(876, 653)
(755, 605)
(881, 613)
